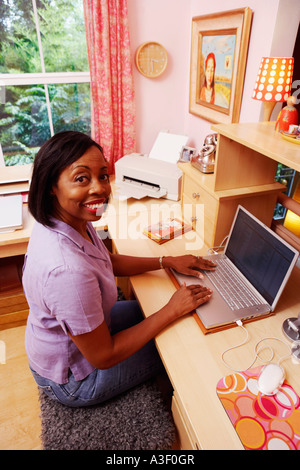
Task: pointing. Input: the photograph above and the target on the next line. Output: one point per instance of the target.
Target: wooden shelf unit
(245, 166)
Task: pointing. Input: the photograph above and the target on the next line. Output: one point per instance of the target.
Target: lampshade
(274, 82)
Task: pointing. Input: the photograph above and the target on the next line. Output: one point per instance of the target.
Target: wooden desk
(193, 360)
(15, 243)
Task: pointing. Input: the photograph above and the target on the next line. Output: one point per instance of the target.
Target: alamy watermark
(296, 94)
(128, 221)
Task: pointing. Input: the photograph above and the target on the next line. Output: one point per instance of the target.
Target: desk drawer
(185, 439)
(13, 304)
(202, 217)
(198, 193)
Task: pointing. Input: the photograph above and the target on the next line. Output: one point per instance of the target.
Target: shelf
(208, 182)
(262, 137)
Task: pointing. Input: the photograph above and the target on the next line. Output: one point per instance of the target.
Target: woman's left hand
(189, 264)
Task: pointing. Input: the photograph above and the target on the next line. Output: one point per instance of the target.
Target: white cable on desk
(215, 249)
(256, 351)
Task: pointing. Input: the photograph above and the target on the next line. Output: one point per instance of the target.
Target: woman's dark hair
(54, 156)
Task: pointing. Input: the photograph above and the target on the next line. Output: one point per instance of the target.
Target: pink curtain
(112, 91)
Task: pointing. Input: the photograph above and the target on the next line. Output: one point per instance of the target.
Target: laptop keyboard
(234, 291)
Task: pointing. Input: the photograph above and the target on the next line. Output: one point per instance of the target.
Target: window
(44, 77)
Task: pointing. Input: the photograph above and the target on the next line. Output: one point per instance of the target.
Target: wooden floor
(19, 406)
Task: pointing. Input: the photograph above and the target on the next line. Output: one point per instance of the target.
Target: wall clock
(151, 59)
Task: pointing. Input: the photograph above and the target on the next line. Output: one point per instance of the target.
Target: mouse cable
(256, 349)
(214, 249)
(282, 358)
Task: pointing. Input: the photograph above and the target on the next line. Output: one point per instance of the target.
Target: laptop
(250, 275)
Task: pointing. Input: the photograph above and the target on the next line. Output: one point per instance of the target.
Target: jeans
(102, 385)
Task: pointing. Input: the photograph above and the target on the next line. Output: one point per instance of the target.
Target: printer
(156, 175)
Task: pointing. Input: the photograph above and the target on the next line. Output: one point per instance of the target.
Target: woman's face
(82, 190)
(209, 72)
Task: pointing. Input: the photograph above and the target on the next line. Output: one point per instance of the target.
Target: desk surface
(192, 359)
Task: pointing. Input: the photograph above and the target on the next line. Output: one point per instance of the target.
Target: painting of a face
(209, 72)
(216, 68)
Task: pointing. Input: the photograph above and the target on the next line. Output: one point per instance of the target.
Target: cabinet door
(185, 439)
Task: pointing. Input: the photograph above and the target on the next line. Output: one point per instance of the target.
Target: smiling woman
(82, 190)
(60, 158)
(83, 346)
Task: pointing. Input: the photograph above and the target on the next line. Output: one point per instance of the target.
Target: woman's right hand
(188, 298)
(120, 346)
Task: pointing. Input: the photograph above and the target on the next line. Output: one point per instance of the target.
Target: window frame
(44, 78)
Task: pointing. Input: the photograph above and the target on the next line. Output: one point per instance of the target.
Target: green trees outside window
(44, 79)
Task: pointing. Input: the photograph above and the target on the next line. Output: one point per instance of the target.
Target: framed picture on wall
(218, 62)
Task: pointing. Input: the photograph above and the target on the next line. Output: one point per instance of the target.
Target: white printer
(156, 175)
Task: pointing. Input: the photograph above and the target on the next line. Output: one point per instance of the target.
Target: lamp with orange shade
(274, 82)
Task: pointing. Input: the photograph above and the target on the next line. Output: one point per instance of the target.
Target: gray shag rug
(139, 419)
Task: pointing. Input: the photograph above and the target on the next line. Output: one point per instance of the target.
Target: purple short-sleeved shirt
(69, 285)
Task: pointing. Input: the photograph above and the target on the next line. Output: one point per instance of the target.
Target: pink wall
(162, 103)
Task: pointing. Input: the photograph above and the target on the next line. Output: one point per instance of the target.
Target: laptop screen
(259, 254)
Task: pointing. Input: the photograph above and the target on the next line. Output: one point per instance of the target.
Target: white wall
(162, 103)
